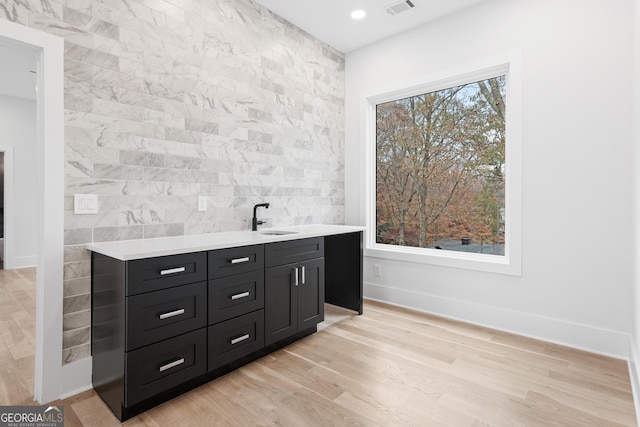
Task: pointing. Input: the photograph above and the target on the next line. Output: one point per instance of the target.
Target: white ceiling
(16, 66)
(329, 20)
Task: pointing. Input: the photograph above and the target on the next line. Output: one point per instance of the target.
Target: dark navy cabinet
(164, 325)
(148, 327)
(294, 280)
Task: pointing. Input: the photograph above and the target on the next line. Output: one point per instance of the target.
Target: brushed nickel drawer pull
(172, 314)
(238, 296)
(240, 339)
(172, 364)
(173, 271)
(239, 260)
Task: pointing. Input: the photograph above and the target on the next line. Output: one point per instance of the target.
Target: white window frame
(509, 263)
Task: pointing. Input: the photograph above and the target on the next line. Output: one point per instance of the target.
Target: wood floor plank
(92, 412)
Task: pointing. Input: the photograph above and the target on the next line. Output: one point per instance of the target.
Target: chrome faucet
(255, 223)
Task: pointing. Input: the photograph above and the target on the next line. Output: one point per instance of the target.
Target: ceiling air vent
(401, 6)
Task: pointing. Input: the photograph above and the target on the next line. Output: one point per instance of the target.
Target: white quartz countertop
(126, 250)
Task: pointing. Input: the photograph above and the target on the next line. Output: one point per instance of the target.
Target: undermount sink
(277, 232)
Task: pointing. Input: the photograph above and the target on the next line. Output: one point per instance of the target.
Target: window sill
(452, 259)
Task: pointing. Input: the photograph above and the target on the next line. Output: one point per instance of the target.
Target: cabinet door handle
(172, 314)
(173, 271)
(240, 339)
(295, 275)
(240, 260)
(238, 296)
(172, 364)
(303, 275)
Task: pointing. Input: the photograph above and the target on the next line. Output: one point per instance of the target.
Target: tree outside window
(440, 169)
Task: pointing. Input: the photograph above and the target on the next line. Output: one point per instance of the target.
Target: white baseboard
(76, 377)
(584, 337)
(634, 365)
(22, 262)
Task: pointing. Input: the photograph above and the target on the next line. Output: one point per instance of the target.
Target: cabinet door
(311, 293)
(281, 304)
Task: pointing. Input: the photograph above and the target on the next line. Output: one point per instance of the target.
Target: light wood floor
(389, 367)
(17, 336)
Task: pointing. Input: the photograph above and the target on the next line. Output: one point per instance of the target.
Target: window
(440, 168)
(444, 172)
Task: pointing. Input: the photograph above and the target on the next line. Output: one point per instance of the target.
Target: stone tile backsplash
(168, 100)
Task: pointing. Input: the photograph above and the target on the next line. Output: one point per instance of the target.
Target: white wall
(577, 224)
(18, 130)
(635, 351)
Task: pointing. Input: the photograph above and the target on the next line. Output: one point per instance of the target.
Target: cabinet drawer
(227, 262)
(152, 274)
(236, 295)
(159, 315)
(291, 251)
(159, 367)
(235, 338)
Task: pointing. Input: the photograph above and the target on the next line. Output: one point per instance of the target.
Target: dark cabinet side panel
(107, 329)
(344, 270)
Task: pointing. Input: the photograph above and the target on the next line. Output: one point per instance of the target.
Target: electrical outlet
(202, 203)
(84, 204)
(377, 270)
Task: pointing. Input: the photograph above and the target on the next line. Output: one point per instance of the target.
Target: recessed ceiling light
(358, 14)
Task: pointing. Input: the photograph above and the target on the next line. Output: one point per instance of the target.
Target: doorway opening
(18, 219)
(49, 175)
(18, 145)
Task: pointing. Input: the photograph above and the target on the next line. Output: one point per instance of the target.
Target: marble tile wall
(166, 100)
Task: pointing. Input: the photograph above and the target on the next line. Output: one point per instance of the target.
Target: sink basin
(277, 232)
